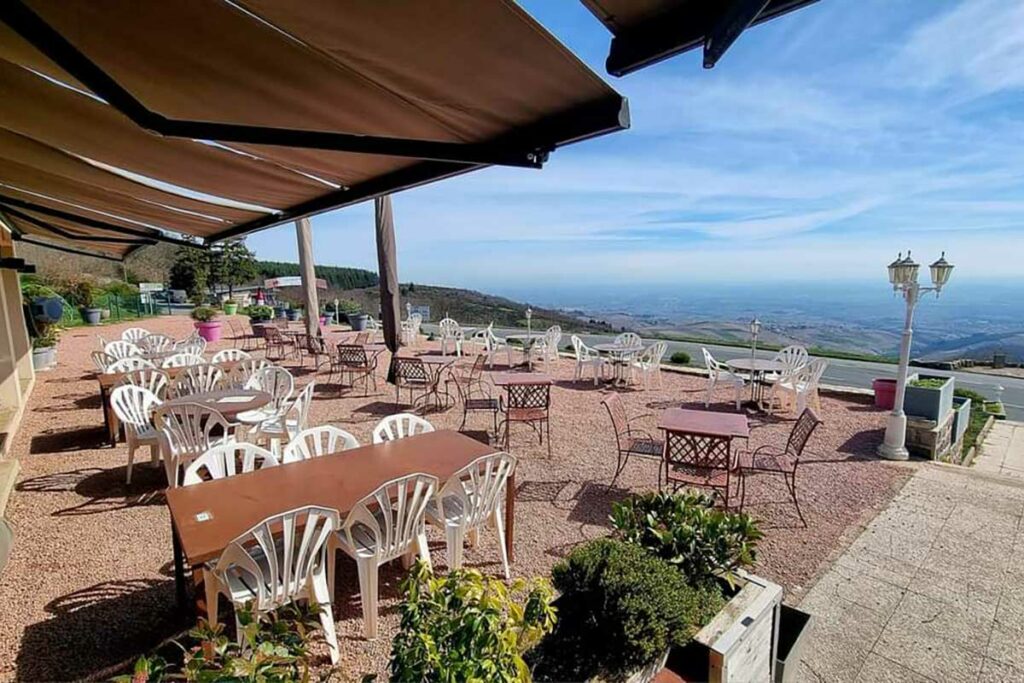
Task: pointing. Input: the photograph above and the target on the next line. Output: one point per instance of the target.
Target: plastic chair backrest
(392, 516)
(120, 348)
(130, 364)
(134, 334)
(276, 381)
(479, 487)
(223, 461)
(182, 360)
(629, 340)
(186, 431)
(230, 355)
(400, 426)
(152, 379)
(134, 406)
(197, 379)
(318, 441)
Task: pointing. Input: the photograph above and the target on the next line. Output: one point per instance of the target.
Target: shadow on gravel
(101, 490)
(97, 627)
(69, 440)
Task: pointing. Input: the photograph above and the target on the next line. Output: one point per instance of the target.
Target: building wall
(16, 374)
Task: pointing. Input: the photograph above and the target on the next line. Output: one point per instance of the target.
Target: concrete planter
(793, 627)
(961, 417)
(358, 321)
(927, 402)
(44, 358)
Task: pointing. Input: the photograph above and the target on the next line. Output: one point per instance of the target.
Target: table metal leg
(110, 421)
(180, 591)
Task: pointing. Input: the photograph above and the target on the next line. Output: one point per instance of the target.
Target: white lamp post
(755, 329)
(529, 317)
(903, 278)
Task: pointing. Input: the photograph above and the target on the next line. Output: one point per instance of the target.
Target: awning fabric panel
(24, 227)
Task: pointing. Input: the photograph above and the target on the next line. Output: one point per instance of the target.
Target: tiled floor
(933, 589)
(1003, 450)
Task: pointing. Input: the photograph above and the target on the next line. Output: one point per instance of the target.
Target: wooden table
(700, 442)
(109, 380)
(756, 368)
(228, 402)
(232, 506)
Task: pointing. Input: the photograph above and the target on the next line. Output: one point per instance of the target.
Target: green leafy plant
(82, 293)
(204, 314)
(465, 627)
(274, 647)
(620, 609)
(260, 312)
(47, 339)
(929, 382)
(686, 530)
(120, 289)
(680, 358)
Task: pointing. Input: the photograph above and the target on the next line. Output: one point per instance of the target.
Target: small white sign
(204, 516)
(151, 286)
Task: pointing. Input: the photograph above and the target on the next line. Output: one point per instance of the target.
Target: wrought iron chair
(475, 396)
(352, 360)
(528, 404)
(770, 458)
(411, 374)
(697, 460)
(630, 440)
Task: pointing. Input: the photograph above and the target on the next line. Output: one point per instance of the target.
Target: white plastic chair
(792, 358)
(316, 442)
(547, 348)
(122, 349)
(194, 345)
(186, 431)
(130, 364)
(230, 355)
(102, 360)
(134, 407)
(586, 357)
(155, 342)
(718, 373)
(280, 560)
(494, 345)
(648, 363)
(292, 420)
(411, 329)
(800, 384)
(222, 461)
(152, 379)
(629, 340)
(469, 499)
(451, 334)
(385, 525)
(243, 372)
(134, 334)
(182, 360)
(400, 426)
(197, 379)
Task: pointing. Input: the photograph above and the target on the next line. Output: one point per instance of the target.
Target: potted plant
(44, 349)
(465, 627)
(293, 313)
(230, 307)
(280, 309)
(83, 293)
(929, 396)
(206, 325)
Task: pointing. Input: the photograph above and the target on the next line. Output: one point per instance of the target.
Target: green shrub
(929, 382)
(687, 531)
(81, 293)
(47, 339)
(620, 609)
(680, 358)
(260, 312)
(275, 647)
(204, 314)
(464, 627)
(120, 289)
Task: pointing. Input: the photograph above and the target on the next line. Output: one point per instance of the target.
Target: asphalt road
(849, 373)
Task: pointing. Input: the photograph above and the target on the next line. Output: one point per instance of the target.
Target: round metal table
(757, 368)
(528, 341)
(620, 357)
(230, 402)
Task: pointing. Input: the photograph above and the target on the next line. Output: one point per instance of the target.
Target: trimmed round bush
(680, 358)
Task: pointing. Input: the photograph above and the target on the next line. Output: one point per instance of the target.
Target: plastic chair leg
(320, 593)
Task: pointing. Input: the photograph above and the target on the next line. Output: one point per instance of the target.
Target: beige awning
(213, 119)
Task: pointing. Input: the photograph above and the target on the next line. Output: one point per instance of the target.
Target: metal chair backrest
(120, 348)
(409, 370)
(281, 554)
(362, 338)
(228, 460)
(389, 519)
(130, 364)
(697, 452)
(276, 381)
(529, 396)
(198, 379)
(182, 360)
(801, 432)
(629, 340)
(148, 378)
(229, 355)
(134, 406)
(479, 487)
(155, 342)
(792, 357)
(352, 356)
(617, 412)
(134, 334)
(186, 431)
(318, 441)
(400, 426)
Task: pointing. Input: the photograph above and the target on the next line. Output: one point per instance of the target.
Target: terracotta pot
(210, 331)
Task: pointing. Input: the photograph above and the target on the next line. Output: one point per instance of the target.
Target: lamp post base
(894, 447)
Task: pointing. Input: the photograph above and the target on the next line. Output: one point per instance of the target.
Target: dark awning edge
(688, 26)
(71, 250)
(600, 118)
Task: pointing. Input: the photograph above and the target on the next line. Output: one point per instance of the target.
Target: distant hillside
(337, 278)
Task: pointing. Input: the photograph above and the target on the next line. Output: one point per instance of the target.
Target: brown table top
(236, 504)
(228, 402)
(504, 379)
(705, 422)
(108, 380)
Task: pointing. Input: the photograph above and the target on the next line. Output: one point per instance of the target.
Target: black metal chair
(411, 374)
(352, 359)
(630, 440)
(528, 404)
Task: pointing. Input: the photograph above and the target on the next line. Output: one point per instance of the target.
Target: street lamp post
(903, 278)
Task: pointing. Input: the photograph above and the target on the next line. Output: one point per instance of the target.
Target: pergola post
(387, 268)
(304, 233)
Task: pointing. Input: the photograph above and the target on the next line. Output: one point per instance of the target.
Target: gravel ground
(90, 584)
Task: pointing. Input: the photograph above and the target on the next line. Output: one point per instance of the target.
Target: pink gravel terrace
(90, 581)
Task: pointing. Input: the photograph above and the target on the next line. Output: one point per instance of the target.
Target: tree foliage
(233, 264)
(190, 271)
(336, 277)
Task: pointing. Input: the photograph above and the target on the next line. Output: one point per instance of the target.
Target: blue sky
(822, 143)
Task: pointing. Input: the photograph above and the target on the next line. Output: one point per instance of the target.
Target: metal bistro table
(620, 357)
(698, 447)
(207, 517)
(757, 368)
(528, 341)
(435, 367)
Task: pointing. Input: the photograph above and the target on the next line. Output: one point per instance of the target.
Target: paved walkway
(1003, 450)
(932, 589)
